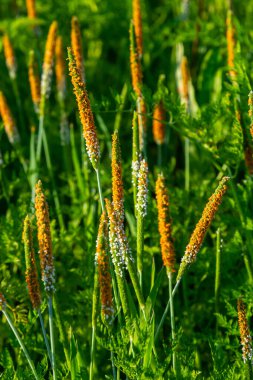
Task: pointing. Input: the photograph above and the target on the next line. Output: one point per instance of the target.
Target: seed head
(76, 44)
(9, 56)
(31, 270)
(158, 123)
(2, 302)
(48, 60)
(164, 225)
(202, 226)
(102, 253)
(142, 189)
(138, 26)
(246, 340)
(34, 81)
(60, 67)
(9, 124)
(117, 182)
(185, 80)
(231, 43)
(30, 6)
(44, 239)
(135, 65)
(85, 113)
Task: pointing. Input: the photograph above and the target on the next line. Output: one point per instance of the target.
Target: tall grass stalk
(140, 240)
(172, 321)
(62, 334)
(31, 364)
(187, 164)
(217, 274)
(100, 189)
(51, 329)
(45, 336)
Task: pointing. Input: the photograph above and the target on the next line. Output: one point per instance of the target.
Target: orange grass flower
(136, 5)
(31, 275)
(48, 60)
(60, 67)
(158, 123)
(9, 124)
(164, 225)
(185, 80)
(2, 301)
(76, 44)
(30, 6)
(117, 182)
(250, 103)
(44, 239)
(231, 42)
(102, 251)
(34, 81)
(9, 56)
(142, 121)
(142, 189)
(202, 226)
(85, 112)
(246, 340)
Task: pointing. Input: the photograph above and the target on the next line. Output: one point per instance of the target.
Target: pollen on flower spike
(117, 182)
(9, 124)
(142, 189)
(9, 56)
(158, 123)
(44, 239)
(246, 340)
(85, 112)
(202, 226)
(76, 44)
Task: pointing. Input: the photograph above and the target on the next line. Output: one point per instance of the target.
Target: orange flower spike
(158, 123)
(231, 42)
(136, 71)
(76, 44)
(85, 112)
(9, 56)
(34, 81)
(44, 239)
(102, 252)
(202, 226)
(164, 225)
(136, 5)
(2, 302)
(185, 80)
(9, 123)
(48, 62)
(30, 6)
(60, 67)
(31, 270)
(250, 103)
(117, 182)
(246, 340)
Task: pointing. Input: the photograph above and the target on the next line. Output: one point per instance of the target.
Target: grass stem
(51, 329)
(45, 336)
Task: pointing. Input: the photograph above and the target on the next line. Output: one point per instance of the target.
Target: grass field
(126, 207)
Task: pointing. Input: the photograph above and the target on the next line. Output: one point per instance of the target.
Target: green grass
(206, 341)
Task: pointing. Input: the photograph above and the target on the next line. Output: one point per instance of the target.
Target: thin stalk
(140, 240)
(172, 321)
(248, 268)
(187, 164)
(40, 135)
(93, 338)
(249, 370)
(159, 155)
(33, 164)
(95, 302)
(100, 190)
(51, 329)
(31, 364)
(114, 374)
(166, 311)
(62, 334)
(217, 275)
(45, 336)
(118, 117)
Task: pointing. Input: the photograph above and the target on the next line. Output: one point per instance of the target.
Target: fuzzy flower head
(135, 65)
(76, 44)
(158, 123)
(102, 255)
(246, 340)
(34, 81)
(60, 67)
(31, 270)
(142, 189)
(44, 239)
(47, 69)
(30, 6)
(164, 225)
(9, 123)
(185, 81)
(2, 302)
(117, 182)
(85, 112)
(136, 5)
(9, 56)
(231, 42)
(202, 226)
(250, 103)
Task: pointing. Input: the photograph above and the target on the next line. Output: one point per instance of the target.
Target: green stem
(140, 240)
(159, 155)
(62, 334)
(95, 302)
(45, 336)
(51, 329)
(76, 162)
(100, 189)
(113, 367)
(21, 343)
(217, 275)
(187, 164)
(172, 321)
(92, 351)
(166, 311)
(40, 136)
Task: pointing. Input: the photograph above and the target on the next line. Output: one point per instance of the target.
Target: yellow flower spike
(117, 182)
(246, 340)
(136, 5)
(164, 225)
(44, 239)
(231, 42)
(60, 67)
(85, 112)
(9, 123)
(30, 6)
(9, 56)
(34, 81)
(76, 44)
(158, 123)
